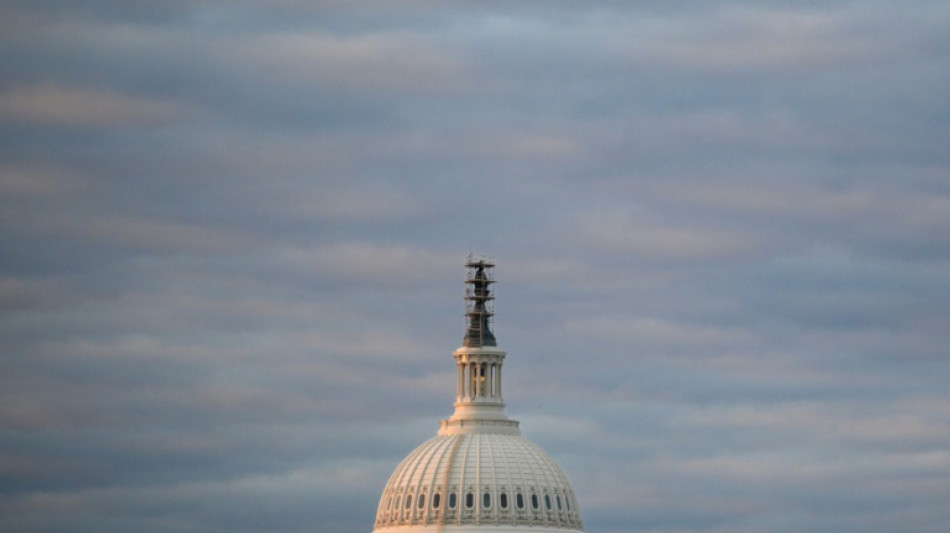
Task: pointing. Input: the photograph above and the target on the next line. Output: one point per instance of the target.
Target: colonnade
(479, 380)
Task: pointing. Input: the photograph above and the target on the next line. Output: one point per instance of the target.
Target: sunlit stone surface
(478, 473)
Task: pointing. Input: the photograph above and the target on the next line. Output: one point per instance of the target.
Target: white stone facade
(478, 479)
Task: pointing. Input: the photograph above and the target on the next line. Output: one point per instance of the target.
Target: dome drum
(478, 479)
(465, 426)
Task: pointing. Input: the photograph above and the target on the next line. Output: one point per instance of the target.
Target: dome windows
(502, 504)
(523, 490)
(453, 500)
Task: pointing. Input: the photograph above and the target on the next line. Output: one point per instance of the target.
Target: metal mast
(478, 309)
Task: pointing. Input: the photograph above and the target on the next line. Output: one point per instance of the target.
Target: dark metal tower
(478, 299)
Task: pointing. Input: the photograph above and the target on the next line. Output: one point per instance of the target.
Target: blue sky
(232, 238)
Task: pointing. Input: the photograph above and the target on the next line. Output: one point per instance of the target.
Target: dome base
(435, 528)
(464, 427)
(488, 481)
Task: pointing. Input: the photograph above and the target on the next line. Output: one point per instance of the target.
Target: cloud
(391, 63)
(390, 264)
(232, 241)
(745, 39)
(141, 233)
(380, 201)
(21, 182)
(70, 107)
(21, 293)
(893, 427)
(621, 233)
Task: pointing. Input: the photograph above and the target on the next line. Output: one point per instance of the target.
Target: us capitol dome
(478, 474)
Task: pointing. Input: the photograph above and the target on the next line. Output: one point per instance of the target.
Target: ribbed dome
(478, 475)
(478, 479)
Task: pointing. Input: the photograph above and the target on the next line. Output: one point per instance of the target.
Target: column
(476, 368)
(483, 380)
(494, 380)
(491, 380)
(468, 381)
(499, 381)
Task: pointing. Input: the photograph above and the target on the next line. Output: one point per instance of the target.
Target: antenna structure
(478, 308)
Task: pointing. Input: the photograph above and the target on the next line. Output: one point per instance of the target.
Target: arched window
(519, 501)
(567, 502)
(469, 500)
(452, 500)
(408, 501)
(558, 499)
(436, 500)
(547, 501)
(503, 500)
(534, 502)
(486, 500)
(422, 500)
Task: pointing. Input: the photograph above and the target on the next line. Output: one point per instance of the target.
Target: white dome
(487, 479)
(478, 475)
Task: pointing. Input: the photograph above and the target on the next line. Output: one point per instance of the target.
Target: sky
(232, 237)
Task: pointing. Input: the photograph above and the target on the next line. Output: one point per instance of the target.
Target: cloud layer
(232, 234)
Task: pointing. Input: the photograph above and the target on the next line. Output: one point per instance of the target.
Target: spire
(477, 306)
(479, 406)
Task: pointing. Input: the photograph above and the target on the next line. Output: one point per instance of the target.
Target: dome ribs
(479, 463)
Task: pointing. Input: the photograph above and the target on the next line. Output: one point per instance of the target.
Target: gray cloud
(231, 238)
